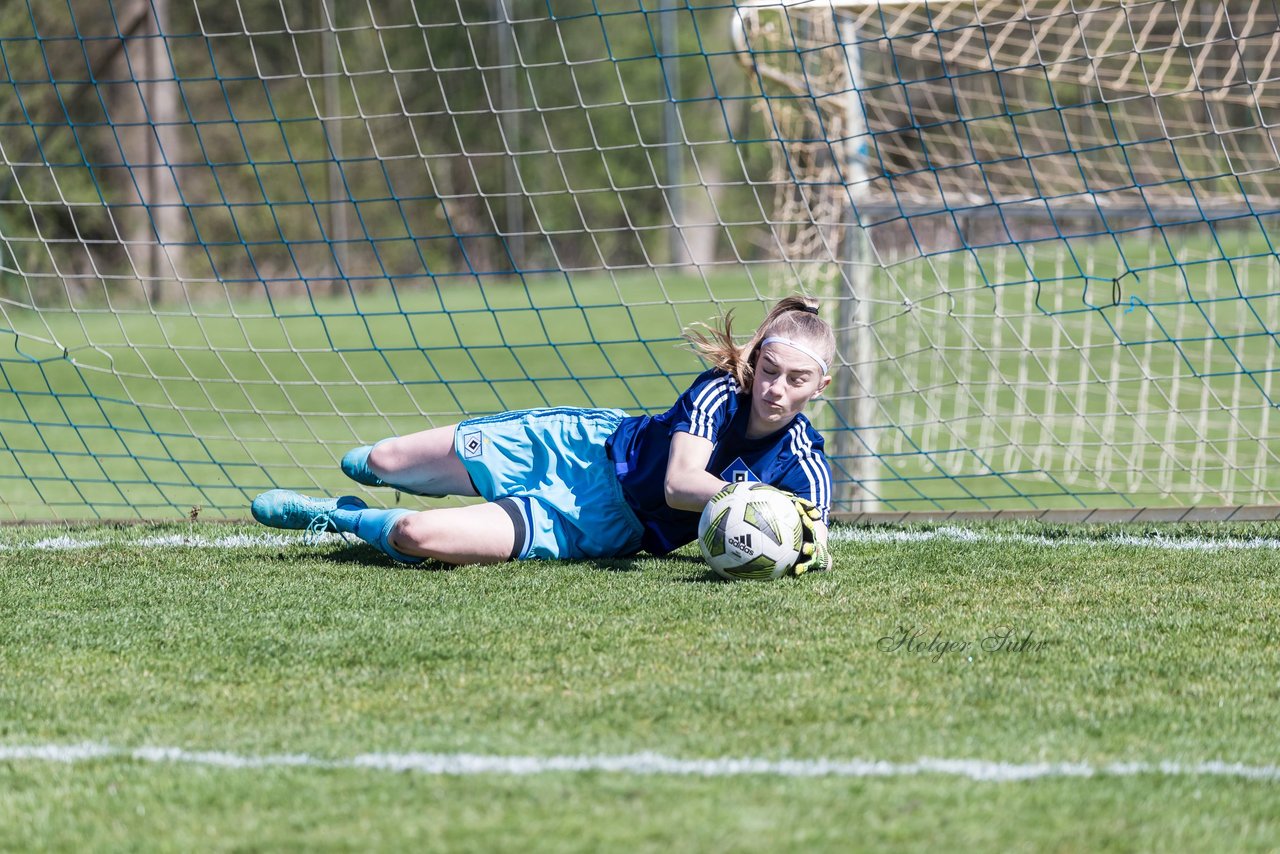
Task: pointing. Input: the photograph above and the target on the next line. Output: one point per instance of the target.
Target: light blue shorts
(549, 470)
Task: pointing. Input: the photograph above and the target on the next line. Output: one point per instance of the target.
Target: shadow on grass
(362, 555)
(704, 574)
(646, 562)
(706, 577)
(616, 564)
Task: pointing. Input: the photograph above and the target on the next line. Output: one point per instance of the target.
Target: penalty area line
(640, 764)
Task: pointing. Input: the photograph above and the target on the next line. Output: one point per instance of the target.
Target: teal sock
(374, 527)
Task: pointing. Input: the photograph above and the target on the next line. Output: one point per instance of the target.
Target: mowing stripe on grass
(841, 533)
(469, 764)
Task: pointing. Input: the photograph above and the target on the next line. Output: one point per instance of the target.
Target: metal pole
(671, 131)
(151, 156)
(338, 233)
(855, 380)
(509, 121)
(162, 148)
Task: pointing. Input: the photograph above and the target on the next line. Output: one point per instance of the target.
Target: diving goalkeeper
(584, 483)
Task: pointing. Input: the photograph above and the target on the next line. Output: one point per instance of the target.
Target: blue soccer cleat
(284, 508)
(355, 465)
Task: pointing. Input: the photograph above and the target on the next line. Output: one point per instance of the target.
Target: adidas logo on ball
(742, 543)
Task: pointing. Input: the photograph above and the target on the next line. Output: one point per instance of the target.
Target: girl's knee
(411, 533)
(384, 458)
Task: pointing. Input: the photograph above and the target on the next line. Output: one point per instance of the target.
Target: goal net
(1057, 217)
(238, 238)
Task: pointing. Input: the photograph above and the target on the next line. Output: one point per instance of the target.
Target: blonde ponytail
(794, 317)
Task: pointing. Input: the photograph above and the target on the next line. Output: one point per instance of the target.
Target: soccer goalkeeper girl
(585, 483)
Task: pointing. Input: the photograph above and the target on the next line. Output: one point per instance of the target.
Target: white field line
(644, 764)
(844, 534)
(968, 535)
(232, 541)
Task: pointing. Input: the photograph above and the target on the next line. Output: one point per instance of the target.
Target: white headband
(796, 345)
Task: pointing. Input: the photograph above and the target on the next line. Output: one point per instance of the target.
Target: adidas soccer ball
(750, 530)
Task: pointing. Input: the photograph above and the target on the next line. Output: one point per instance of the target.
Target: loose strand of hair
(717, 346)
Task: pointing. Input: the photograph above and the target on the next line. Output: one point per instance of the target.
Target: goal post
(238, 238)
(842, 125)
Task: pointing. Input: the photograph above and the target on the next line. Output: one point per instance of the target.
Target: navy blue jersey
(715, 409)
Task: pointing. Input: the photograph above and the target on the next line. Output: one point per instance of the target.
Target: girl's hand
(814, 554)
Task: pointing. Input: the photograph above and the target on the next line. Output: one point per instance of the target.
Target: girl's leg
(479, 533)
(423, 463)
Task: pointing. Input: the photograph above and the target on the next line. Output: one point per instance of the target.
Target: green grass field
(1022, 394)
(1150, 645)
